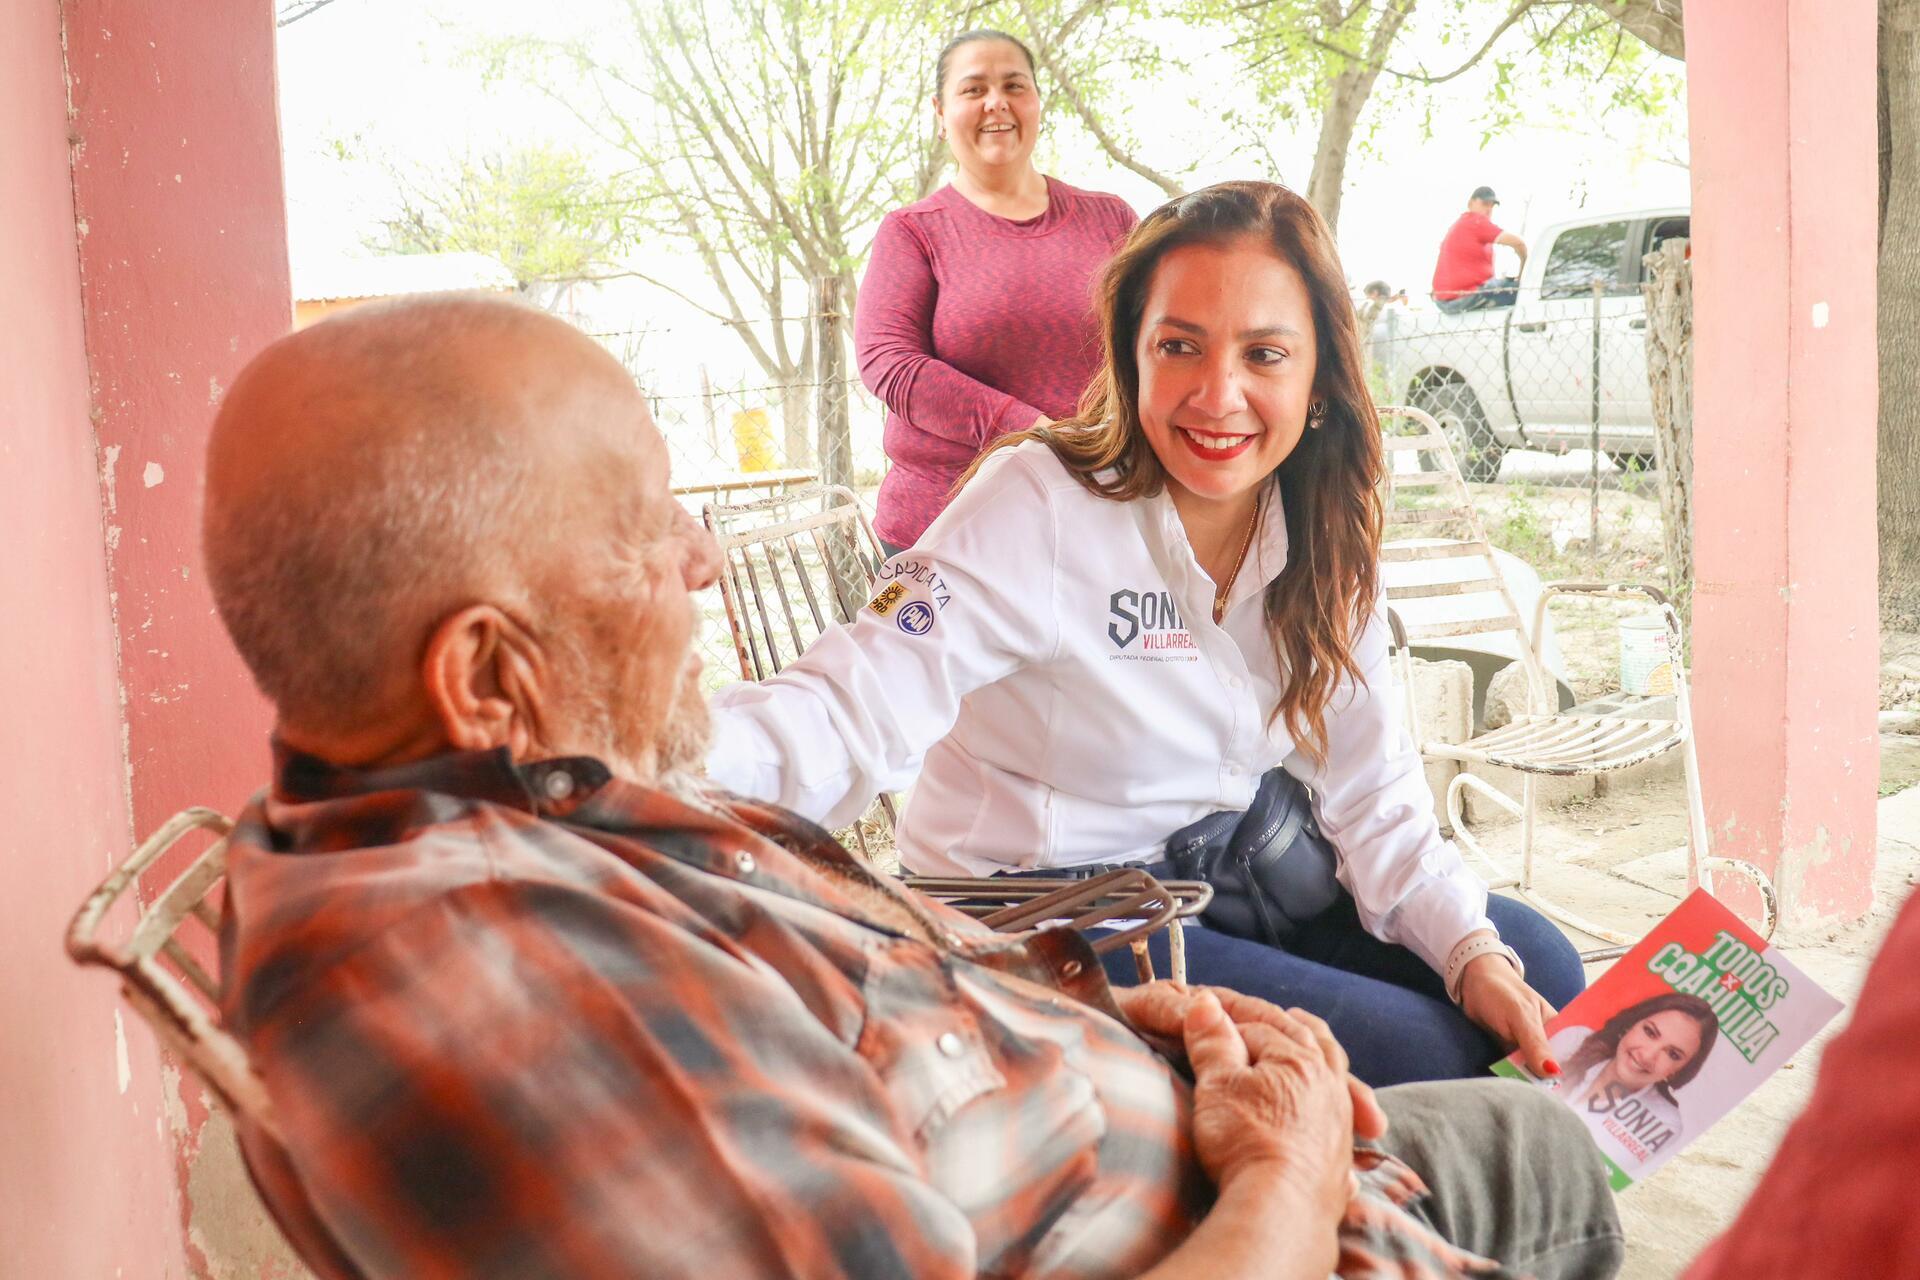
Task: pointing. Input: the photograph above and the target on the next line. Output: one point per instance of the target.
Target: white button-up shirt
(1047, 662)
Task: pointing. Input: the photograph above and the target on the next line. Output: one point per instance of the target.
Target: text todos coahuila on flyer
(1678, 1031)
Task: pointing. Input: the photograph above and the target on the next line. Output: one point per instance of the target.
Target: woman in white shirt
(1124, 621)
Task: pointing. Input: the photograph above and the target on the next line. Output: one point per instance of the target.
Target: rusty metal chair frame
(1130, 901)
(807, 558)
(1543, 742)
(799, 562)
(158, 974)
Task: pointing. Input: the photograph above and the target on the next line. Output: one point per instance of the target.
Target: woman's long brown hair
(1328, 484)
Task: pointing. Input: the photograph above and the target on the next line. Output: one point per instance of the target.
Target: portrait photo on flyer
(1676, 1033)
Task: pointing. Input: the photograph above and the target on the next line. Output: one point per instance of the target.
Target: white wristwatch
(1471, 948)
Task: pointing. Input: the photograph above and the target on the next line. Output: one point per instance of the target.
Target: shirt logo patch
(1146, 626)
(915, 619)
(889, 596)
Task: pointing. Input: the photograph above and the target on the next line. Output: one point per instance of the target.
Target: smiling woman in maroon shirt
(976, 314)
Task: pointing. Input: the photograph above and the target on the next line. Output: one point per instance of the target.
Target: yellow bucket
(753, 437)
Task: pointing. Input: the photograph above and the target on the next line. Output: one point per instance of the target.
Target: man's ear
(485, 679)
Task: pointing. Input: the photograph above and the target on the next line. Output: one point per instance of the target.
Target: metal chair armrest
(1129, 900)
(83, 943)
(1569, 587)
(1606, 590)
(1403, 659)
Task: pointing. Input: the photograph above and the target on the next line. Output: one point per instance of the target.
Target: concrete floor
(1616, 859)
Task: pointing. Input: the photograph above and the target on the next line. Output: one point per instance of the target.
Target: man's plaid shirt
(535, 1021)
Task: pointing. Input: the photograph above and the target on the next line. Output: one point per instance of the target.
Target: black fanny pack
(1270, 868)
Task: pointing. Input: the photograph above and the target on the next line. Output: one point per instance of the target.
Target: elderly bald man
(531, 1002)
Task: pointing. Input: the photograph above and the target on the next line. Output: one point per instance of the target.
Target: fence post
(1668, 289)
(706, 403)
(835, 448)
(835, 441)
(1593, 431)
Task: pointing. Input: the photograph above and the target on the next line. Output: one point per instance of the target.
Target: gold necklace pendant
(1246, 541)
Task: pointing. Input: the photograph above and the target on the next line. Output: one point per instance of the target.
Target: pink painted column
(1786, 635)
(86, 1163)
(182, 266)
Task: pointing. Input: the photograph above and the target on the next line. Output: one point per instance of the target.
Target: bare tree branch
(291, 11)
(1048, 54)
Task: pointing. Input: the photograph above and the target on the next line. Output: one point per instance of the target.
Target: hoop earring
(1316, 414)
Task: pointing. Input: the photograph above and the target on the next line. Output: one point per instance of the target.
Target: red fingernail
(1553, 1068)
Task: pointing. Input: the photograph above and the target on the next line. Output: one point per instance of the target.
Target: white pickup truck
(1522, 377)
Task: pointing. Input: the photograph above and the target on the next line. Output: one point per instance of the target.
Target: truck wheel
(1632, 462)
(1454, 406)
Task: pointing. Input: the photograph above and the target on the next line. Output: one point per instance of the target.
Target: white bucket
(1646, 666)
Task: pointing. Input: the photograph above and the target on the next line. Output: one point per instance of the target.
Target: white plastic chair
(1430, 515)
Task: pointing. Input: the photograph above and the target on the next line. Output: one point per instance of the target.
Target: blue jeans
(1501, 291)
(1385, 1005)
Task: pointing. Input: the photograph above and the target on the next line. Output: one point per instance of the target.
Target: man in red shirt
(1463, 279)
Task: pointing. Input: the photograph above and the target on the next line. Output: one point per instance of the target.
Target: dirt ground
(1617, 858)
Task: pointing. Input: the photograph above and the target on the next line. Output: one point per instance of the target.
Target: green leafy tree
(539, 210)
(767, 138)
(1335, 64)
(1332, 61)
(1093, 56)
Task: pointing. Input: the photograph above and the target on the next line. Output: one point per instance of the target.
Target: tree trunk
(1899, 316)
(1657, 22)
(1346, 99)
(1669, 294)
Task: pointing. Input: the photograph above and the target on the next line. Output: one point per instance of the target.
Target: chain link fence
(737, 431)
(1546, 399)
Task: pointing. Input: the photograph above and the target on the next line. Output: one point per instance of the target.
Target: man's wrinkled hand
(1499, 1001)
(1161, 1009)
(1270, 1099)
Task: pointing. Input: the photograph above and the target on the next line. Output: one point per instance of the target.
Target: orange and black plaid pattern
(535, 1021)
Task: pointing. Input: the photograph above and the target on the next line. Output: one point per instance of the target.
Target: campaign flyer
(1677, 1032)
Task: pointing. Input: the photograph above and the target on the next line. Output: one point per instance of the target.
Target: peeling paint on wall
(226, 1223)
(123, 1070)
(182, 272)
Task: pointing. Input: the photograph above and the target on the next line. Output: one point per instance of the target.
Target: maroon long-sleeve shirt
(971, 326)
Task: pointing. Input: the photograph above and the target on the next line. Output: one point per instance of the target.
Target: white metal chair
(1430, 516)
(793, 565)
(173, 992)
(158, 974)
(799, 562)
(176, 996)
